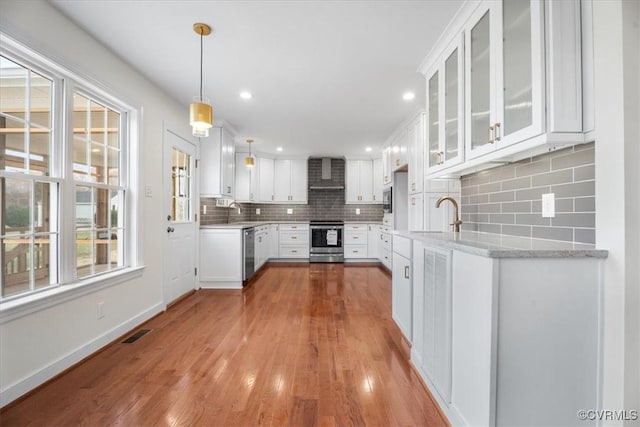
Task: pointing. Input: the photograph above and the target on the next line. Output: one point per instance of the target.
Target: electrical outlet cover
(549, 205)
(289, 211)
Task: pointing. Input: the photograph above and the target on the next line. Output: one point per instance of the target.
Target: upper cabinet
(415, 134)
(522, 84)
(445, 108)
(217, 164)
(290, 181)
(360, 182)
(378, 180)
(399, 147)
(246, 183)
(386, 166)
(265, 179)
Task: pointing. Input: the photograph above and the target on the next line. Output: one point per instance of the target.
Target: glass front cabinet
(509, 82)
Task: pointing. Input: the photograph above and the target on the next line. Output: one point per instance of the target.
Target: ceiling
(327, 76)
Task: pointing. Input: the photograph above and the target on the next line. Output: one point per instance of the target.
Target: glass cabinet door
(433, 120)
(453, 104)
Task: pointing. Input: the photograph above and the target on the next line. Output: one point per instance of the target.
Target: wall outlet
(549, 205)
(257, 211)
(100, 310)
(289, 211)
(148, 191)
(357, 211)
(204, 209)
(223, 203)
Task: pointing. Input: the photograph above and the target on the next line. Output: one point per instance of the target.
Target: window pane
(84, 253)
(98, 120)
(181, 191)
(101, 251)
(16, 254)
(116, 206)
(116, 258)
(40, 101)
(84, 207)
(113, 163)
(17, 200)
(97, 164)
(80, 137)
(42, 207)
(102, 207)
(41, 260)
(13, 88)
(13, 136)
(39, 159)
(113, 129)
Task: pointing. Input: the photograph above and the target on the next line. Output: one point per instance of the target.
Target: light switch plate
(289, 211)
(549, 205)
(357, 211)
(148, 191)
(257, 211)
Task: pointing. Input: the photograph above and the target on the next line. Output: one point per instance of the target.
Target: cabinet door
(377, 181)
(373, 241)
(352, 181)
(366, 181)
(401, 302)
(451, 94)
(242, 185)
(298, 181)
(386, 166)
(274, 242)
(282, 180)
(416, 154)
(210, 165)
(399, 150)
(265, 173)
(416, 212)
(228, 163)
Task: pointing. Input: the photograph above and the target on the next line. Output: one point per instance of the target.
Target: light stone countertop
(504, 246)
(247, 224)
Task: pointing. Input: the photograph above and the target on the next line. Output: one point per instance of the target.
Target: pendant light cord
(201, 30)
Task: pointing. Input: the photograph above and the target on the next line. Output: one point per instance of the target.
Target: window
(63, 177)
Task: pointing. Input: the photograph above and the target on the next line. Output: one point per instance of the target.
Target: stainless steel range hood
(326, 183)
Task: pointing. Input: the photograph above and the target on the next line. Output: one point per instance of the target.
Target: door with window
(181, 225)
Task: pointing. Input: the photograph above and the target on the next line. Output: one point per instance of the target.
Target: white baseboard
(226, 284)
(27, 384)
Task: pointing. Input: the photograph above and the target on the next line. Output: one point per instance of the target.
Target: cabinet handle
(491, 141)
(413, 186)
(497, 133)
(406, 271)
(374, 197)
(293, 237)
(355, 237)
(381, 237)
(355, 252)
(294, 252)
(228, 189)
(397, 162)
(272, 196)
(251, 196)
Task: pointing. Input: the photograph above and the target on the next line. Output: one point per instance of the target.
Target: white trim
(29, 304)
(14, 391)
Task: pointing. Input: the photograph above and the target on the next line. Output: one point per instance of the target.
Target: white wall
(35, 347)
(618, 196)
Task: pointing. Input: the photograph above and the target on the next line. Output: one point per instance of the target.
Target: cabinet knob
(406, 271)
(497, 132)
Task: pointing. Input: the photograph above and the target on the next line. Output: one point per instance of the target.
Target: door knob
(170, 229)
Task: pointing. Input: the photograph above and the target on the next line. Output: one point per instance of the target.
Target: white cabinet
(246, 183)
(290, 181)
(374, 240)
(401, 292)
(220, 258)
(445, 107)
(416, 212)
(385, 247)
(265, 180)
(359, 181)
(293, 241)
(432, 314)
(262, 245)
(387, 174)
(274, 241)
(416, 154)
(399, 146)
(378, 180)
(356, 238)
(217, 164)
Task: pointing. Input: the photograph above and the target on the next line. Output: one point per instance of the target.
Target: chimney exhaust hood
(326, 183)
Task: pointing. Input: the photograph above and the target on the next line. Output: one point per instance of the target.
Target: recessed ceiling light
(246, 95)
(279, 149)
(408, 96)
(368, 149)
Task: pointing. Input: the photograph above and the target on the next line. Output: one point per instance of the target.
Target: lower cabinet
(431, 350)
(262, 246)
(221, 258)
(385, 247)
(401, 292)
(356, 241)
(293, 241)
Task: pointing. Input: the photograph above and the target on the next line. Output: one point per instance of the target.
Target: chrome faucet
(231, 205)
(456, 220)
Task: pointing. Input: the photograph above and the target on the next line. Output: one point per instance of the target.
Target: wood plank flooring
(307, 345)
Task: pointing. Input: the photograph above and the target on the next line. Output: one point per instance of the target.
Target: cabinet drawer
(386, 240)
(294, 237)
(386, 258)
(355, 237)
(402, 246)
(355, 251)
(294, 251)
(294, 227)
(355, 227)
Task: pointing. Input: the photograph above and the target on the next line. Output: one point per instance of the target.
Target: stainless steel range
(326, 241)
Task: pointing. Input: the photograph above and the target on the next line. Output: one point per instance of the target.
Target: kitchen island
(504, 330)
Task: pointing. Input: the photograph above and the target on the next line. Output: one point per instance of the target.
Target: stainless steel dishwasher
(248, 252)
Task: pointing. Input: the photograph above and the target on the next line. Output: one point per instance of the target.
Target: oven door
(325, 239)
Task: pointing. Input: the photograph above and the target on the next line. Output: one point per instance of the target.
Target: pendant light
(249, 161)
(200, 111)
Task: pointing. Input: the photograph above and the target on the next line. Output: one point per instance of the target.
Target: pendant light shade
(249, 161)
(200, 111)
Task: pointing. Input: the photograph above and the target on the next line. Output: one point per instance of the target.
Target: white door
(180, 200)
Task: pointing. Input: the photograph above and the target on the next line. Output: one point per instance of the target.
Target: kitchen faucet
(231, 205)
(456, 220)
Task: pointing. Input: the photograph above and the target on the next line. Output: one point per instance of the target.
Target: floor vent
(136, 336)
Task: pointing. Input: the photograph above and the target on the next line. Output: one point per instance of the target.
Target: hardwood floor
(308, 345)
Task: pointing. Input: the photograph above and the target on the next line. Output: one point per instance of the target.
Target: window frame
(65, 83)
